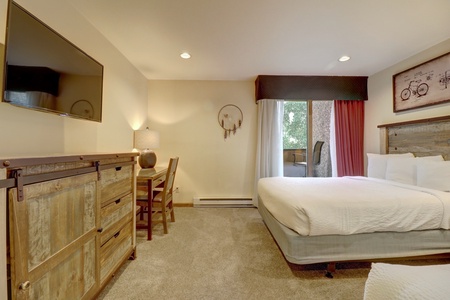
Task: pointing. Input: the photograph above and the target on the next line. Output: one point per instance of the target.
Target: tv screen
(46, 72)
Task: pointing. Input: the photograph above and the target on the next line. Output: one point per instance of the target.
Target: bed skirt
(301, 250)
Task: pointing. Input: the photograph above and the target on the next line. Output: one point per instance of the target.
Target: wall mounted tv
(46, 72)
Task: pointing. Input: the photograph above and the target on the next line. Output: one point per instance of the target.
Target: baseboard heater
(222, 202)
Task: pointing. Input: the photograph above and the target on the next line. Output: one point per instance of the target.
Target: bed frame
(421, 137)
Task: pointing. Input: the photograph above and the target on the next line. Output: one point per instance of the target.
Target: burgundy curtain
(349, 126)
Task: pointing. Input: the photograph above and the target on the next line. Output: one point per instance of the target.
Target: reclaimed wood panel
(110, 161)
(71, 279)
(422, 139)
(115, 182)
(55, 167)
(111, 215)
(54, 220)
(115, 251)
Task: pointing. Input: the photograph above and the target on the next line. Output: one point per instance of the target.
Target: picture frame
(423, 85)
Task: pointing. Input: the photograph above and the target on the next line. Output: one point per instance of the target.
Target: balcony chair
(317, 151)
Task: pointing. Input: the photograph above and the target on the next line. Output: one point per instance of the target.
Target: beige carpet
(224, 253)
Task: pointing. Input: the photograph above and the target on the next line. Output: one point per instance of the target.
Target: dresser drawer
(114, 215)
(115, 251)
(115, 182)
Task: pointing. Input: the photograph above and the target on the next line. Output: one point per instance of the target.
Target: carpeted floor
(224, 253)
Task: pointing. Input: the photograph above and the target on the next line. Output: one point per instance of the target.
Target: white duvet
(349, 205)
(388, 281)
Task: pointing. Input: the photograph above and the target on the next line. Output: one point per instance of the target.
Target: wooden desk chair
(160, 201)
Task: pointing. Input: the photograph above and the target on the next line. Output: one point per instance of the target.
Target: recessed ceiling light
(344, 58)
(185, 55)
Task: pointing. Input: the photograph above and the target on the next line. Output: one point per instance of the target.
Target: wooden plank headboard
(422, 137)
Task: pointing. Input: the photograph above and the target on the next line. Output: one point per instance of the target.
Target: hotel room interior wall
(186, 115)
(379, 107)
(27, 132)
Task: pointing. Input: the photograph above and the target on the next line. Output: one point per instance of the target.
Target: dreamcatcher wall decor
(230, 118)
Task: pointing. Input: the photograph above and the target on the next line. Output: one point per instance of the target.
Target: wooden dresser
(70, 223)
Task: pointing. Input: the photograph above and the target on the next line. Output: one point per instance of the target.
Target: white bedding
(387, 281)
(350, 205)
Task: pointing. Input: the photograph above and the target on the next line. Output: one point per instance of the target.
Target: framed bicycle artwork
(423, 85)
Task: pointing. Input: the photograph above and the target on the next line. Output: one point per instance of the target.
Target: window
(305, 123)
(295, 125)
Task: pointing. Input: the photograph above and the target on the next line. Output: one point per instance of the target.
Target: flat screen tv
(46, 72)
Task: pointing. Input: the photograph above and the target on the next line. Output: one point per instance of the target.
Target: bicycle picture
(423, 85)
(415, 88)
(445, 79)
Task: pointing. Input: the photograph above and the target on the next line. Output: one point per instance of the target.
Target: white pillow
(434, 175)
(376, 166)
(404, 169)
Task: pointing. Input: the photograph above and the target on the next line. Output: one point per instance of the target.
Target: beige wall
(185, 114)
(29, 133)
(379, 108)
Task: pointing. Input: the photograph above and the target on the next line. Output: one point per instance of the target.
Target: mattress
(300, 249)
(353, 205)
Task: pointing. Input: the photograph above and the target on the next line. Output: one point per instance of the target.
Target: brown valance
(311, 87)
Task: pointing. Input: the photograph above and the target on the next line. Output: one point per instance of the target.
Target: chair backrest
(317, 152)
(170, 176)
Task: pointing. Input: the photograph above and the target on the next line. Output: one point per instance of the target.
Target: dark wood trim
(311, 87)
(21, 162)
(437, 119)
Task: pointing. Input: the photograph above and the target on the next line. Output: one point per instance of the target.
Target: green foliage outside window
(295, 125)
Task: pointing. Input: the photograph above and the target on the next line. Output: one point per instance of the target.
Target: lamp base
(147, 159)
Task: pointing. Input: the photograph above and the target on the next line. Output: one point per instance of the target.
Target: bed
(316, 236)
(392, 281)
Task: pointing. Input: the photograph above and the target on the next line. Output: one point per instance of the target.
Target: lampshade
(144, 140)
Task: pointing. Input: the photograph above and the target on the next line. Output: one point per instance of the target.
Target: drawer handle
(117, 201)
(116, 235)
(100, 229)
(118, 168)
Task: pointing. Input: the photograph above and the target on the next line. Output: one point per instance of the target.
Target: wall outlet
(177, 189)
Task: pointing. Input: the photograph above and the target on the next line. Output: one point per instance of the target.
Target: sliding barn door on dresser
(70, 223)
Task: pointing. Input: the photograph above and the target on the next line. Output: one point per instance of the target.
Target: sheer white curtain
(269, 147)
(333, 143)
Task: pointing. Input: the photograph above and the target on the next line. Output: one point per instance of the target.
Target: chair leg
(172, 213)
(149, 224)
(164, 219)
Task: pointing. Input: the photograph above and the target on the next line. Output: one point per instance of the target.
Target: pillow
(432, 158)
(434, 175)
(404, 169)
(376, 166)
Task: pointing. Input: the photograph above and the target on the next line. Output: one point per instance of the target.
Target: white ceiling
(240, 39)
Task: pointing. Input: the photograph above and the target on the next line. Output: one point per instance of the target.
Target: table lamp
(144, 140)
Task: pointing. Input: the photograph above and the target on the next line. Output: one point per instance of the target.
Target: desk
(147, 180)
